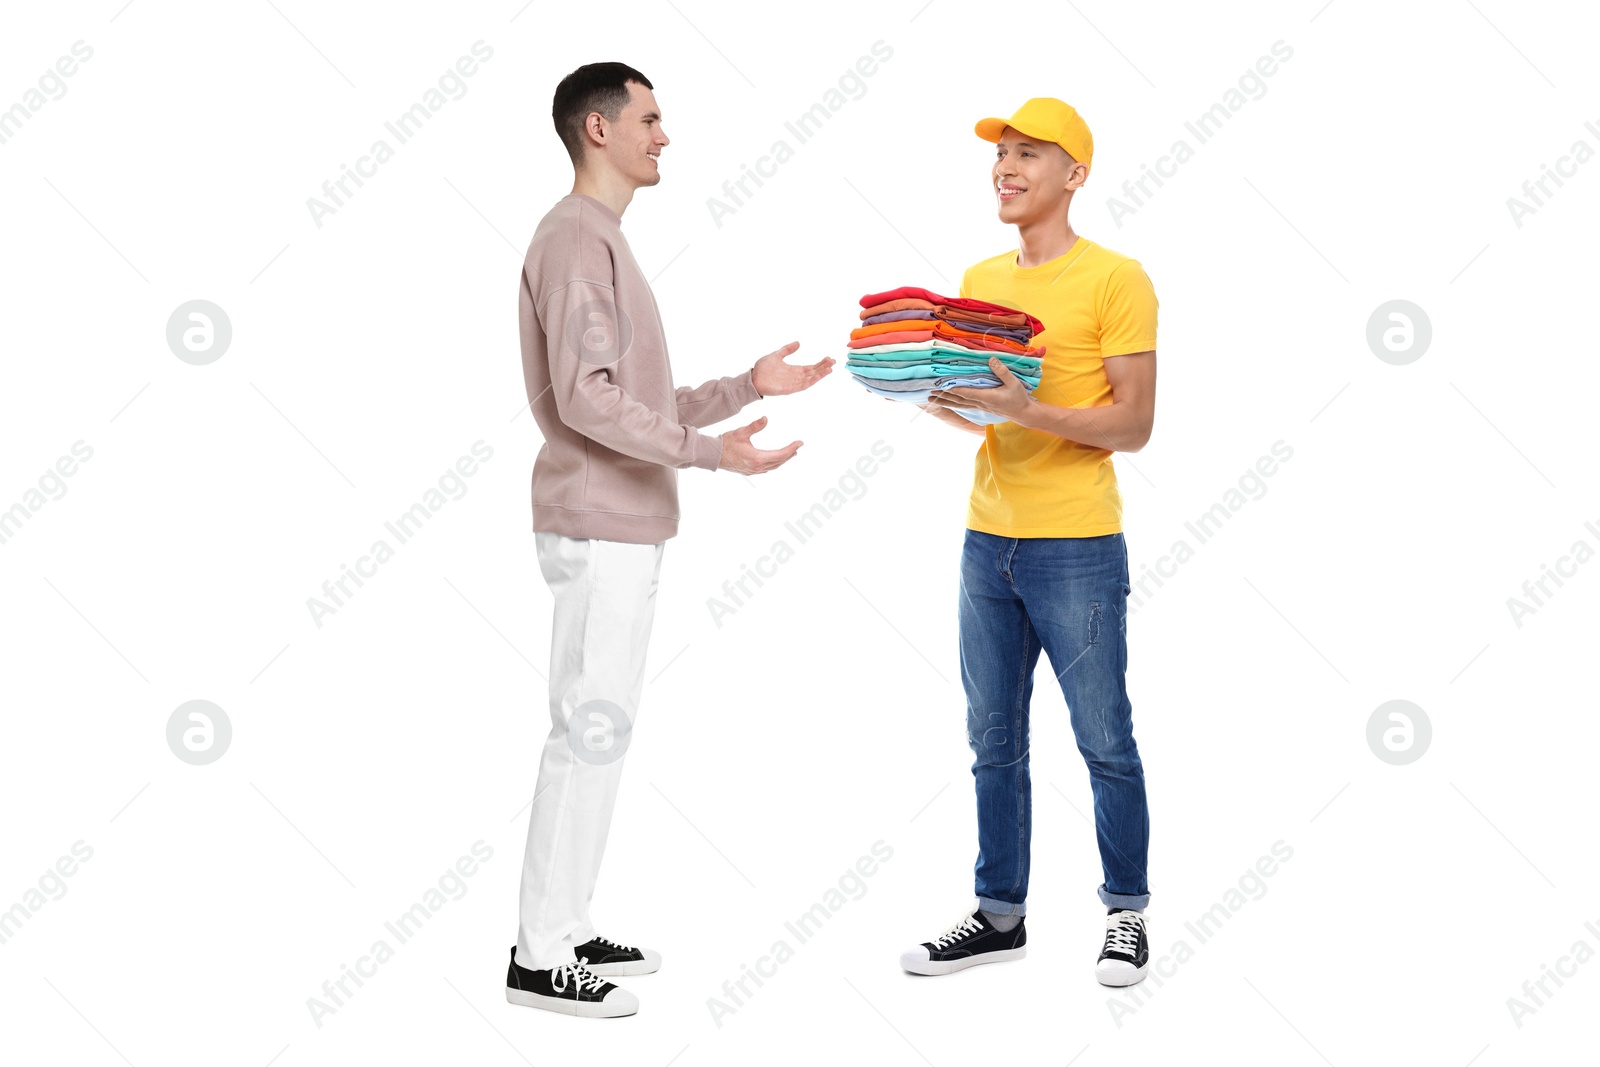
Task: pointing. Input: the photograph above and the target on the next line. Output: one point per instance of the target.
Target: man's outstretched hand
(739, 454)
(773, 377)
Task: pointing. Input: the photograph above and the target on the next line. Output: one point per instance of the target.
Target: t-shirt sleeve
(1128, 318)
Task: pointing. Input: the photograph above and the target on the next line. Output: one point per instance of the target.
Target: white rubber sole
(623, 970)
(1120, 977)
(590, 1009)
(916, 966)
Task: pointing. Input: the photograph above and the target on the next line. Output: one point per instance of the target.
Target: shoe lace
(587, 980)
(1122, 932)
(968, 925)
(613, 944)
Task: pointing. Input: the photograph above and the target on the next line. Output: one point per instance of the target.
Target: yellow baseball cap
(1047, 119)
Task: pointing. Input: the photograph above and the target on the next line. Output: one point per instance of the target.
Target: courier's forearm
(1117, 426)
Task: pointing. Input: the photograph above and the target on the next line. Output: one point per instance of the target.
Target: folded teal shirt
(943, 355)
(980, 366)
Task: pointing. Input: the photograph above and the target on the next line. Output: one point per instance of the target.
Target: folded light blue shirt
(930, 370)
(920, 396)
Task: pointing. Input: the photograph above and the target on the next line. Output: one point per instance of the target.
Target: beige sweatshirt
(594, 357)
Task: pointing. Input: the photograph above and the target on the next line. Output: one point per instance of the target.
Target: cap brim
(994, 129)
(991, 129)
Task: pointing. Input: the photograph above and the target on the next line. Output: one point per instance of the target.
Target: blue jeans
(1066, 596)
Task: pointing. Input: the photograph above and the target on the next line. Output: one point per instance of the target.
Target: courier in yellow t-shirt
(1094, 304)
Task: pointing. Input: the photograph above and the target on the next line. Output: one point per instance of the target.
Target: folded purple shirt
(1015, 333)
(896, 316)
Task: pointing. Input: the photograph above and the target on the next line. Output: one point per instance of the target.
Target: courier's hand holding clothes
(773, 377)
(1009, 400)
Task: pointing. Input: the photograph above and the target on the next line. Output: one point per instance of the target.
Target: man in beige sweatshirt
(605, 501)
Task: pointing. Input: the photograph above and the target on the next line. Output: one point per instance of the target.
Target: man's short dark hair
(601, 87)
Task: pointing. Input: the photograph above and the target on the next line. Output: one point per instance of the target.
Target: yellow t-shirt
(1094, 303)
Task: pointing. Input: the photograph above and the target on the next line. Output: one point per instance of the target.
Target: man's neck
(1040, 242)
(606, 188)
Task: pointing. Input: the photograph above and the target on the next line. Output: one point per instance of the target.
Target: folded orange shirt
(896, 326)
(946, 332)
(903, 304)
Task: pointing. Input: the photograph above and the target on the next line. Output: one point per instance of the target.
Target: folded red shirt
(872, 299)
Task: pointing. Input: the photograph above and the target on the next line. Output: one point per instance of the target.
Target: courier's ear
(1068, 171)
(1076, 173)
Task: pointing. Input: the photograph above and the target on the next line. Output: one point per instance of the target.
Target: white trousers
(605, 597)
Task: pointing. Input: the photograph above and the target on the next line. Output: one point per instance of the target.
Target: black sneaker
(966, 944)
(608, 958)
(1126, 955)
(571, 989)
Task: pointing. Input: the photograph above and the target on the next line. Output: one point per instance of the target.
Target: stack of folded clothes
(911, 342)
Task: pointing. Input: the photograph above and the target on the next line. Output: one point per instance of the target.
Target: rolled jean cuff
(1000, 907)
(1122, 900)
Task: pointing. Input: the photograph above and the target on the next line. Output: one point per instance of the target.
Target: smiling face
(1033, 179)
(636, 139)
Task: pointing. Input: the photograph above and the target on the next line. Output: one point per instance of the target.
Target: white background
(371, 752)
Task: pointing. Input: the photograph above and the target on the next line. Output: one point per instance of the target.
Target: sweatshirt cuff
(744, 388)
(707, 452)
